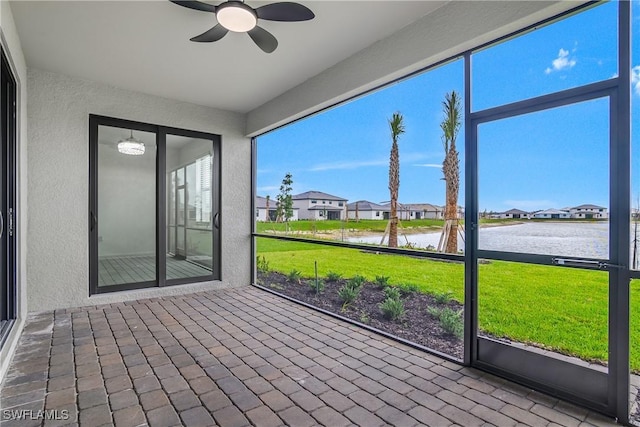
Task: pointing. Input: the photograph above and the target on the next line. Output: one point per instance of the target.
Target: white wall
(58, 184)
(13, 50)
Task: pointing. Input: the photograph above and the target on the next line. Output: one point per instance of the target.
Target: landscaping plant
(294, 276)
(333, 276)
(317, 286)
(393, 308)
(348, 293)
(382, 281)
(397, 128)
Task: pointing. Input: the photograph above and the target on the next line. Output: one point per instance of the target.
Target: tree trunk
(394, 185)
(452, 173)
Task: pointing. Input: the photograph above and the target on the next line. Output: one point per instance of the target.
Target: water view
(570, 239)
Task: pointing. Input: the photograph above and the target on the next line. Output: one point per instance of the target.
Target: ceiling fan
(235, 15)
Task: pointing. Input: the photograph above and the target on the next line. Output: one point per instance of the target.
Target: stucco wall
(13, 50)
(58, 184)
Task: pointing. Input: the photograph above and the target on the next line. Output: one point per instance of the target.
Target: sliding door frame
(161, 133)
(9, 90)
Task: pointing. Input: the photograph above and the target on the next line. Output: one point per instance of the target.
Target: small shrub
(348, 294)
(262, 264)
(317, 288)
(332, 276)
(434, 312)
(364, 317)
(393, 308)
(382, 281)
(451, 321)
(443, 297)
(357, 281)
(392, 293)
(410, 288)
(294, 276)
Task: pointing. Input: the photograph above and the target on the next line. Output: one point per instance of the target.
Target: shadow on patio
(246, 357)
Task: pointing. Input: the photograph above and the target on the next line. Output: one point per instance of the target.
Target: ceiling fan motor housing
(236, 16)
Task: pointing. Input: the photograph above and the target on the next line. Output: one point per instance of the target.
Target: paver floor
(245, 357)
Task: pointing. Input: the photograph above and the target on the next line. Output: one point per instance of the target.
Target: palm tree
(451, 168)
(397, 128)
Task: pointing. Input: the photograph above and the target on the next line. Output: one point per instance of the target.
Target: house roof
(552, 211)
(261, 202)
(365, 205)
(315, 195)
(587, 206)
(514, 211)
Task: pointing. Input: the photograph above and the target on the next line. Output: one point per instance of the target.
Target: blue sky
(551, 159)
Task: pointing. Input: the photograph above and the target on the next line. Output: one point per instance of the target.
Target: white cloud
(562, 62)
(429, 165)
(355, 164)
(635, 79)
(347, 165)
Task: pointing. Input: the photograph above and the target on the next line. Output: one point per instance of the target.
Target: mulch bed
(417, 325)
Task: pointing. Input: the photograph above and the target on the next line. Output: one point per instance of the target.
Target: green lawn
(559, 308)
(364, 224)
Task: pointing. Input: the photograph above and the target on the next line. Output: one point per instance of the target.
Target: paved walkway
(245, 357)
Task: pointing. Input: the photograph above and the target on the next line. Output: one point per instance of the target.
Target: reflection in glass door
(126, 206)
(189, 207)
(543, 252)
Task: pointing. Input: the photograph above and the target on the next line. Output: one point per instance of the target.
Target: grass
(562, 309)
(364, 224)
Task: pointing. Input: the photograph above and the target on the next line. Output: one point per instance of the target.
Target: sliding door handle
(93, 221)
(1, 224)
(216, 220)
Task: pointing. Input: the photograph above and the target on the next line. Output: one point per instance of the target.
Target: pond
(570, 239)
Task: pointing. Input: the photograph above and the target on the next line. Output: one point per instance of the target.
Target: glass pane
(430, 292)
(578, 50)
(554, 309)
(171, 200)
(339, 162)
(126, 208)
(543, 182)
(190, 161)
(180, 206)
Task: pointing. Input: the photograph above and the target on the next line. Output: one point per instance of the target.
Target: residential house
(514, 214)
(263, 215)
(552, 214)
(589, 212)
(316, 205)
(409, 211)
(364, 209)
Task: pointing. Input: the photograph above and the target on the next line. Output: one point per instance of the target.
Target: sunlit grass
(562, 309)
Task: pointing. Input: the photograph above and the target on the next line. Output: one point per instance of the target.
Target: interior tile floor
(117, 271)
(245, 357)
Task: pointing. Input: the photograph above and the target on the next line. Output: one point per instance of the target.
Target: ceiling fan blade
(285, 11)
(211, 35)
(196, 5)
(264, 39)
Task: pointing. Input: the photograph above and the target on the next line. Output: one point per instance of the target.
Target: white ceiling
(144, 46)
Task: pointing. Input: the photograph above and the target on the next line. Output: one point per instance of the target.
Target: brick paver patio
(245, 357)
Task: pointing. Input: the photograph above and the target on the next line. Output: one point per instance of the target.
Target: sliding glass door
(150, 228)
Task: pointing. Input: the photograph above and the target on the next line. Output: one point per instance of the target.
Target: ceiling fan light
(131, 146)
(236, 16)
